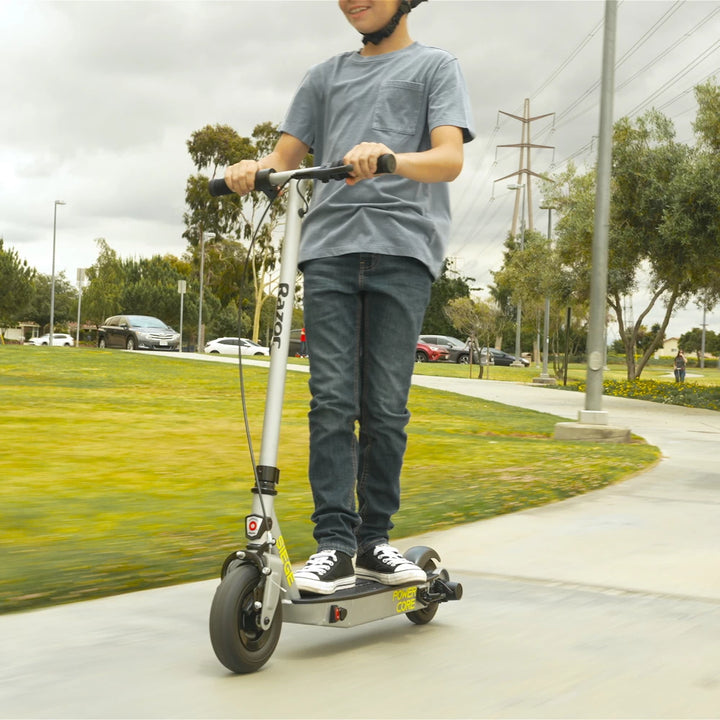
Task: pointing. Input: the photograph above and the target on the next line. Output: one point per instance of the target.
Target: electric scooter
(257, 592)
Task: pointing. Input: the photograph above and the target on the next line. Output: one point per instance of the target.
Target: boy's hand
(240, 178)
(363, 158)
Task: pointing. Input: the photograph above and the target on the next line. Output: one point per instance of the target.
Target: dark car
(499, 357)
(137, 332)
(426, 352)
(459, 352)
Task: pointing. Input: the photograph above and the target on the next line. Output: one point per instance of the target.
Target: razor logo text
(283, 292)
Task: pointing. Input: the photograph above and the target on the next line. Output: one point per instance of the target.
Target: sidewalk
(606, 605)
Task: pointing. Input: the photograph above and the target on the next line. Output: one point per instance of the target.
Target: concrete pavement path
(605, 605)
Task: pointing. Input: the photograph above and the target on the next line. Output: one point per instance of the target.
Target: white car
(58, 339)
(229, 346)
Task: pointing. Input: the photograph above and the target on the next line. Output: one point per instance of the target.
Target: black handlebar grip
(218, 187)
(386, 164)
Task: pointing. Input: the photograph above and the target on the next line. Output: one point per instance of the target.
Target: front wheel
(130, 343)
(238, 641)
(420, 356)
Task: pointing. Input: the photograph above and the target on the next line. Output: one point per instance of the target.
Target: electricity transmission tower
(524, 168)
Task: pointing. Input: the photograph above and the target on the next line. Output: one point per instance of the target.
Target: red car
(425, 352)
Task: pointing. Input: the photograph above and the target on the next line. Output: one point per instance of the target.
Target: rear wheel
(237, 639)
(426, 558)
(101, 343)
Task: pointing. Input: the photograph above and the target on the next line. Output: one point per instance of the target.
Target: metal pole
(52, 281)
(567, 344)
(702, 342)
(518, 314)
(80, 281)
(200, 347)
(546, 324)
(77, 329)
(181, 289)
(598, 282)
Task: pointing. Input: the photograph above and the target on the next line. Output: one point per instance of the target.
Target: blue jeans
(363, 314)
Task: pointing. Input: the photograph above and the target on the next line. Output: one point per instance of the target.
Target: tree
(449, 285)
(529, 273)
(692, 341)
(65, 301)
(105, 278)
(477, 320)
(230, 222)
(650, 242)
(16, 288)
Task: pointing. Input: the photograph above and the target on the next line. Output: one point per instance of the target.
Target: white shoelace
(388, 555)
(319, 563)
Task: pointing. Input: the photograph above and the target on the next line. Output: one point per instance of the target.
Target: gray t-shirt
(397, 99)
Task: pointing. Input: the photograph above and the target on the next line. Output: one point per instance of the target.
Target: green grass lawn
(121, 471)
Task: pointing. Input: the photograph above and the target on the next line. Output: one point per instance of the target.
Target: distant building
(669, 348)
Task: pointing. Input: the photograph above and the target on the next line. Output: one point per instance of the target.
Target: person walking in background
(680, 367)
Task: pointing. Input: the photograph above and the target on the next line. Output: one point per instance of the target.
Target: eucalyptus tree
(230, 224)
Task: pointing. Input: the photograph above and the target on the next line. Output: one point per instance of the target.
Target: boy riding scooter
(371, 247)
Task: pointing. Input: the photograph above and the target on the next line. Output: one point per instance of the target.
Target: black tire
(236, 639)
(420, 356)
(101, 343)
(425, 557)
(463, 359)
(131, 343)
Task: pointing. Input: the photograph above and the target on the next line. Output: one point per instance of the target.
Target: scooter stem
(280, 344)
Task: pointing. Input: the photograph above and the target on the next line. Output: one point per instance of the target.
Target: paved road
(602, 606)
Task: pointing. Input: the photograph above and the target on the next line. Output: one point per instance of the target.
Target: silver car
(137, 332)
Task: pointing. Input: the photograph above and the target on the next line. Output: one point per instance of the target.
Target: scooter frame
(247, 608)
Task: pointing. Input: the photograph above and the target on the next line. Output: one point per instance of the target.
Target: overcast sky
(99, 99)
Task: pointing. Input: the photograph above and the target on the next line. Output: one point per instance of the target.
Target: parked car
(459, 351)
(137, 332)
(229, 346)
(500, 357)
(58, 339)
(426, 352)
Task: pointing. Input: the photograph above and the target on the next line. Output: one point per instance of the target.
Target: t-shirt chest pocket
(398, 108)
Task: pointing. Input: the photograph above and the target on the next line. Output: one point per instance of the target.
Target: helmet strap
(379, 35)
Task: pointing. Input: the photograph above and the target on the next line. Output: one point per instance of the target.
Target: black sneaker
(386, 565)
(325, 572)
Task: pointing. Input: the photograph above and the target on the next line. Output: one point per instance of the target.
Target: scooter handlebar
(267, 180)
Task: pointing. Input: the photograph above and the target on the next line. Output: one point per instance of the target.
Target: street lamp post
(546, 324)
(182, 287)
(80, 282)
(518, 318)
(200, 346)
(52, 281)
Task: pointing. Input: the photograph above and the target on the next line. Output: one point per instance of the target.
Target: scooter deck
(361, 588)
(366, 601)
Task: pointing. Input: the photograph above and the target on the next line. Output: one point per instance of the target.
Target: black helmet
(379, 35)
